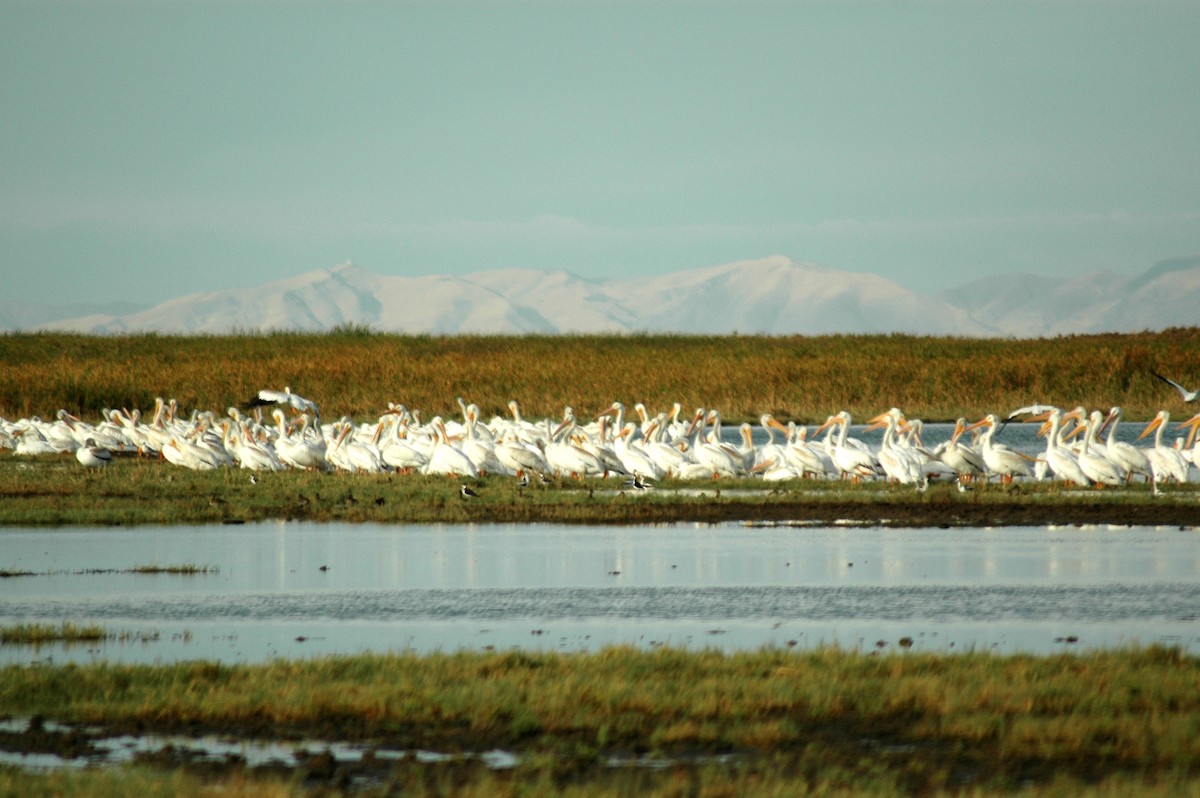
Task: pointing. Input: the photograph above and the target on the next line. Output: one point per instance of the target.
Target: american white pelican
(90, 455)
(1126, 455)
(251, 453)
(520, 457)
(31, 441)
(1168, 463)
(999, 459)
(898, 465)
(477, 444)
(964, 460)
(182, 452)
(285, 397)
(397, 451)
(347, 453)
(1184, 393)
(1191, 448)
(716, 459)
(300, 450)
(1094, 463)
(107, 438)
(851, 459)
(669, 458)
(634, 458)
(809, 459)
(602, 447)
(565, 457)
(1060, 460)
(445, 458)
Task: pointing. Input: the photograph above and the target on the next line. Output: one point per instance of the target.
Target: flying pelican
(1188, 396)
(285, 397)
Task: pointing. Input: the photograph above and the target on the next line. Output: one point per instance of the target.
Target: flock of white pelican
(1081, 448)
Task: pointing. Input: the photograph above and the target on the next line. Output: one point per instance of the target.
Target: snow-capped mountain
(1025, 305)
(773, 296)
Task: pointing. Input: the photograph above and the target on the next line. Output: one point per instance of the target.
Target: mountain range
(772, 296)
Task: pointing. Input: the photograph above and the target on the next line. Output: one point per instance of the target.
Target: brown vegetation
(356, 373)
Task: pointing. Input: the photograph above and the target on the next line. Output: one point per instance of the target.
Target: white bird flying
(1188, 396)
(285, 397)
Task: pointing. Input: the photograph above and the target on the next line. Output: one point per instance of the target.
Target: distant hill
(773, 296)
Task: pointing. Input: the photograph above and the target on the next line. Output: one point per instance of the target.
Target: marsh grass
(907, 722)
(545, 779)
(356, 373)
(185, 569)
(55, 490)
(42, 633)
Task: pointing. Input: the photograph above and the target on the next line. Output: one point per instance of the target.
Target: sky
(154, 149)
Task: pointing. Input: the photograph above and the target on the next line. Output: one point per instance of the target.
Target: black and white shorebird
(92, 456)
(637, 483)
(1188, 396)
(467, 493)
(284, 398)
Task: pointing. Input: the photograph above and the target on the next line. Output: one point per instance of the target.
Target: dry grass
(356, 373)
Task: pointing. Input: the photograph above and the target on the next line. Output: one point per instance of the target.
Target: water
(298, 590)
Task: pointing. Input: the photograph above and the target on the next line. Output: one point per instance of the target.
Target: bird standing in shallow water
(467, 493)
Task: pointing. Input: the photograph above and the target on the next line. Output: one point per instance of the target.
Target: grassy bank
(767, 722)
(55, 490)
(356, 373)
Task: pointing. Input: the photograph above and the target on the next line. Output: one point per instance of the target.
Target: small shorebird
(467, 493)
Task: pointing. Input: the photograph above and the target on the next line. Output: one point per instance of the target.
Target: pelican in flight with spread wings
(282, 398)
(1188, 396)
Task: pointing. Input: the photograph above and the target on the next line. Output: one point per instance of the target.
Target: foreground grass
(55, 490)
(356, 373)
(791, 722)
(713, 781)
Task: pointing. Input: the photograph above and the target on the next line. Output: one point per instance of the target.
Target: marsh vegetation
(356, 373)
(765, 722)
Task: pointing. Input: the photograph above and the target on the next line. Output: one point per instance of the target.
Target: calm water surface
(299, 589)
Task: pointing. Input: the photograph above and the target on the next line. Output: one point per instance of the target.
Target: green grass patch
(54, 491)
(186, 569)
(41, 633)
(848, 721)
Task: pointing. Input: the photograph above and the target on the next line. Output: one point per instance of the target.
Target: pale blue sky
(152, 149)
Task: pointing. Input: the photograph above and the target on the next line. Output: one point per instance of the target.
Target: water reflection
(290, 589)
